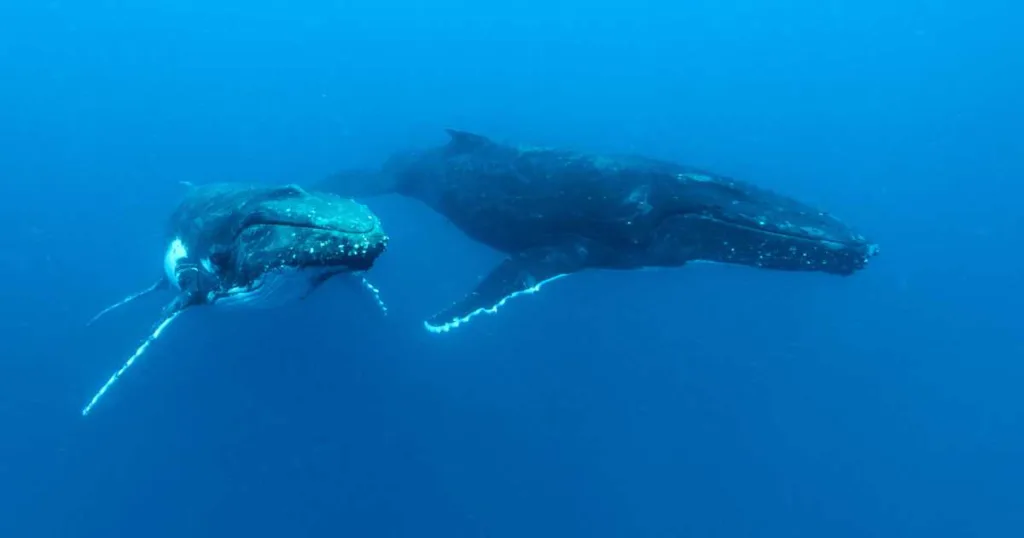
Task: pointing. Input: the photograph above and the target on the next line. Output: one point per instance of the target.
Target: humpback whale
(555, 212)
(243, 245)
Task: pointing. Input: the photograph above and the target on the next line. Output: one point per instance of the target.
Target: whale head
(278, 246)
(721, 220)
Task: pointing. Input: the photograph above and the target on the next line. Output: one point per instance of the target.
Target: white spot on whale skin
(639, 197)
(702, 178)
(455, 323)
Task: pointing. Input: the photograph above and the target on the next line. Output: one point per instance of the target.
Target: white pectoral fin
(357, 279)
(376, 295)
(157, 286)
(522, 274)
(171, 312)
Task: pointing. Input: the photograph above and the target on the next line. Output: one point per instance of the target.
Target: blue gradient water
(707, 401)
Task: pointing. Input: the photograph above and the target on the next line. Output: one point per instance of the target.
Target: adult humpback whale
(556, 212)
(253, 245)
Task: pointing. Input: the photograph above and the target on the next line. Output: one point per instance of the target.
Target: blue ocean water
(705, 401)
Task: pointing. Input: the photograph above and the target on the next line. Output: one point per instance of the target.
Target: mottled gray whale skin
(556, 212)
(241, 237)
(246, 245)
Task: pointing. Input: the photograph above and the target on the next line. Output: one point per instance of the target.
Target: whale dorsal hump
(465, 141)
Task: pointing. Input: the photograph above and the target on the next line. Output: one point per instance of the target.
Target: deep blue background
(707, 401)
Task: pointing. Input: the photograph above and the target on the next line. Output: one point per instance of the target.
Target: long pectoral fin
(157, 286)
(376, 295)
(170, 313)
(353, 278)
(522, 274)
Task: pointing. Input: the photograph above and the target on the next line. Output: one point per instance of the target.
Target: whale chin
(275, 288)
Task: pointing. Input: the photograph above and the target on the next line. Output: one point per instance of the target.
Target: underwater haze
(705, 401)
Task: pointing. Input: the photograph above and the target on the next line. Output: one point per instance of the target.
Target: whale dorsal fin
(170, 313)
(462, 141)
(521, 274)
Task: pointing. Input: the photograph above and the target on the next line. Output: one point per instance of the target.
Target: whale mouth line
(263, 219)
(255, 224)
(300, 225)
(805, 237)
(318, 248)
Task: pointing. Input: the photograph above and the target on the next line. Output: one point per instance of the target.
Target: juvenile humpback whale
(257, 246)
(555, 212)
